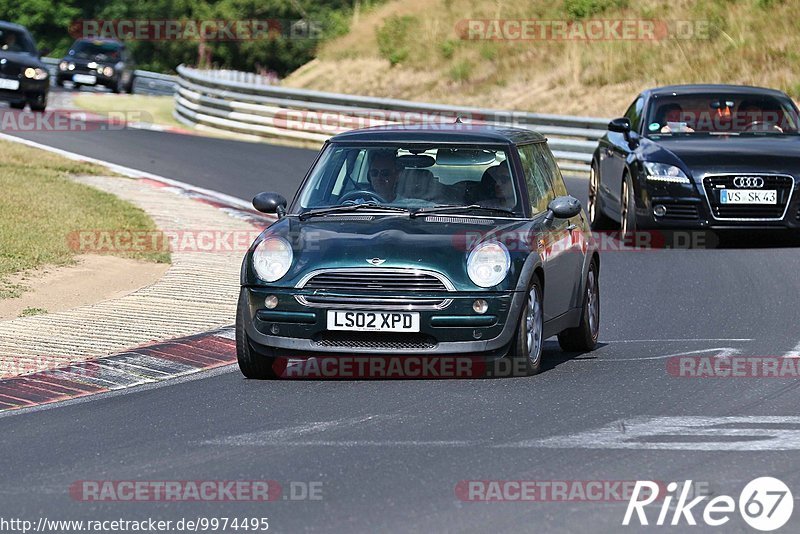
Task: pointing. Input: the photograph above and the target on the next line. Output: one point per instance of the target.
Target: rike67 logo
(765, 504)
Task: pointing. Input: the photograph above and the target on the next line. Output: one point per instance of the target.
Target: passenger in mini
(498, 189)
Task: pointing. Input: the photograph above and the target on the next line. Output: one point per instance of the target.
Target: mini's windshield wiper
(350, 207)
(469, 207)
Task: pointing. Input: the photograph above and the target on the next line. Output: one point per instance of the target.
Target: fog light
(660, 210)
(271, 302)
(480, 306)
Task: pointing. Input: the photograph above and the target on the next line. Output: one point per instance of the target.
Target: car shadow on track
(553, 356)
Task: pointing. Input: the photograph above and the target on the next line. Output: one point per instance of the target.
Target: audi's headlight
(488, 264)
(35, 74)
(63, 65)
(662, 172)
(272, 259)
(108, 72)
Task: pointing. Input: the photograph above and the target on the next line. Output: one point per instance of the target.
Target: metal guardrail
(244, 103)
(144, 82)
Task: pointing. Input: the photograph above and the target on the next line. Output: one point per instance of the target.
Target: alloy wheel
(533, 326)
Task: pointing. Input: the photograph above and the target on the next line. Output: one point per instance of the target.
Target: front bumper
(300, 331)
(28, 91)
(100, 79)
(688, 206)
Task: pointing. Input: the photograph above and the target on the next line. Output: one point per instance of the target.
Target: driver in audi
(383, 174)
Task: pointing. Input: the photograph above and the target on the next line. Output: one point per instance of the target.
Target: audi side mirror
(270, 203)
(621, 125)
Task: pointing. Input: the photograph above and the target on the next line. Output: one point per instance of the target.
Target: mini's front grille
(681, 212)
(372, 340)
(377, 280)
(376, 288)
(783, 184)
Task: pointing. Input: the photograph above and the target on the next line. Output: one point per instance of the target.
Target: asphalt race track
(390, 453)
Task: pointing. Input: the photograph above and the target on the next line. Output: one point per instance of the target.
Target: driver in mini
(383, 174)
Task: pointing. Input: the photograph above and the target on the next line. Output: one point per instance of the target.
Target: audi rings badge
(748, 182)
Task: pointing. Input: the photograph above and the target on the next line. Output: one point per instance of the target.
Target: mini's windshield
(102, 50)
(719, 113)
(16, 41)
(412, 177)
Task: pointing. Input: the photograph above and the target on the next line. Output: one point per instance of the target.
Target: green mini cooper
(441, 241)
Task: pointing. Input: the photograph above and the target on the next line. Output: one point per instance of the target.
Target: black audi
(699, 156)
(23, 77)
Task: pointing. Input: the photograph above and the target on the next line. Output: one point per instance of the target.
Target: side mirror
(270, 203)
(621, 125)
(565, 207)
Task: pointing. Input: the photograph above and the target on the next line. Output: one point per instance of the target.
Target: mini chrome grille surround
(384, 288)
(783, 183)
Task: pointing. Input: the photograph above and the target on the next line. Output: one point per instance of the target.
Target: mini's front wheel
(251, 363)
(526, 350)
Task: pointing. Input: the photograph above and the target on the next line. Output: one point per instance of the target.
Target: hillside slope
(421, 50)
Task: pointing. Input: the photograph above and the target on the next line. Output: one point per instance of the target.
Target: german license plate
(11, 85)
(378, 321)
(748, 196)
(88, 79)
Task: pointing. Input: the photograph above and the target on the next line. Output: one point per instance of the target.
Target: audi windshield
(721, 114)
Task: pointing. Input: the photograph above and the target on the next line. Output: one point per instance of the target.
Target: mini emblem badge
(376, 261)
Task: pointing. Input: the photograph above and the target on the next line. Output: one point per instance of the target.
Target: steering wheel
(759, 126)
(363, 193)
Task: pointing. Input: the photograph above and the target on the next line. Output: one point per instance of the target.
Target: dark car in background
(97, 62)
(450, 241)
(699, 156)
(23, 77)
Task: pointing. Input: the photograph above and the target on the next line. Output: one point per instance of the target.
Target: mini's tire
(251, 364)
(525, 354)
(17, 105)
(583, 338)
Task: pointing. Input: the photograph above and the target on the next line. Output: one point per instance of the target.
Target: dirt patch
(93, 279)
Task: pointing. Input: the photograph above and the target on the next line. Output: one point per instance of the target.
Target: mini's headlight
(63, 65)
(662, 172)
(488, 264)
(272, 259)
(108, 71)
(35, 74)
(71, 66)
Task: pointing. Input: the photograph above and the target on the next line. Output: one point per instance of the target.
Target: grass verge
(40, 207)
(134, 108)
(423, 50)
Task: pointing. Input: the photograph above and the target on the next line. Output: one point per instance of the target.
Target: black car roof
(712, 88)
(441, 133)
(4, 25)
